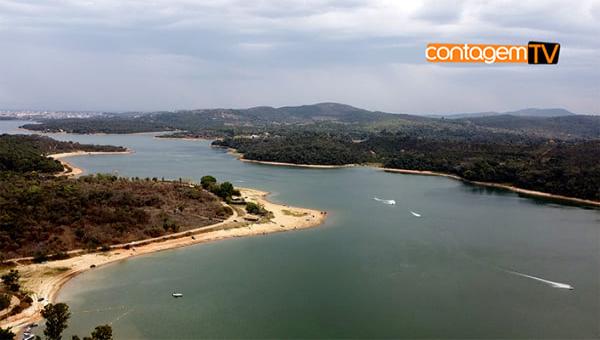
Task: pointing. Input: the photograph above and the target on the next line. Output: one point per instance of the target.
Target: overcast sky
(120, 55)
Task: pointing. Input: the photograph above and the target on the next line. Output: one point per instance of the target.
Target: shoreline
(509, 187)
(527, 192)
(311, 166)
(495, 185)
(199, 139)
(73, 171)
(48, 278)
(240, 157)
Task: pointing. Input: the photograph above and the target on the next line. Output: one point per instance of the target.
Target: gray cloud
(171, 54)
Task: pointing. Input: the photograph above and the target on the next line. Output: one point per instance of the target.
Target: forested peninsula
(44, 216)
(552, 151)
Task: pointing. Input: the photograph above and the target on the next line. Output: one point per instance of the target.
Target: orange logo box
(532, 53)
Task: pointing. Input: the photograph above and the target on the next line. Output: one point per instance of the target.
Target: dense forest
(299, 148)
(98, 125)
(567, 168)
(331, 117)
(42, 215)
(48, 145)
(563, 168)
(551, 150)
(563, 127)
(24, 153)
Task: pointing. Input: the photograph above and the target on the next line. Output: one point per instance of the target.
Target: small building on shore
(251, 218)
(237, 200)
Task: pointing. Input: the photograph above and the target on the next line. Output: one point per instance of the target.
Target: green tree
(4, 301)
(254, 208)
(11, 280)
(7, 334)
(207, 181)
(170, 225)
(103, 332)
(226, 190)
(56, 316)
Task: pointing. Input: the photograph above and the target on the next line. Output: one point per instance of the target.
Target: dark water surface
(372, 270)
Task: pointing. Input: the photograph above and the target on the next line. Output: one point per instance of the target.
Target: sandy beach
(197, 139)
(73, 171)
(298, 165)
(240, 157)
(496, 185)
(46, 279)
(429, 173)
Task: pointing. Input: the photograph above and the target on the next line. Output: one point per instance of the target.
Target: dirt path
(46, 279)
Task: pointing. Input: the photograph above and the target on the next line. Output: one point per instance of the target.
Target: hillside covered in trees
(42, 215)
(323, 116)
(552, 150)
(569, 168)
(45, 216)
(562, 127)
(23, 153)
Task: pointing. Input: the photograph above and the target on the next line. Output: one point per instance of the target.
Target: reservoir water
(373, 270)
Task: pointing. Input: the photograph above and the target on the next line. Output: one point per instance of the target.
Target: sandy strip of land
(45, 280)
(73, 171)
(284, 217)
(298, 165)
(433, 173)
(240, 157)
(197, 139)
(496, 185)
(420, 172)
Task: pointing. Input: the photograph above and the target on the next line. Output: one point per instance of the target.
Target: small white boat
(177, 295)
(390, 202)
(551, 283)
(415, 214)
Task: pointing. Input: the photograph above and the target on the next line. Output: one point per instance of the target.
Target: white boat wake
(390, 202)
(415, 214)
(551, 283)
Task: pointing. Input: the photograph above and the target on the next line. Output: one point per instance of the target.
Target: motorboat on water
(389, 202)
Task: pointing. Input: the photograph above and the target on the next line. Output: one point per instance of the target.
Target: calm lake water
(372, 270)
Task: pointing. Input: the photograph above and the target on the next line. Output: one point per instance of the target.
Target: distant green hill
(215, 121)
(552, 154)
(564, 127)
(265, 115)
(329, 118)
(530, 112)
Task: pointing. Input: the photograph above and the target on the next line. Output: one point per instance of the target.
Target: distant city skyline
(131, 55)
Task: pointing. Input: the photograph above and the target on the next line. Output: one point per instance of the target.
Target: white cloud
(164, 54)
